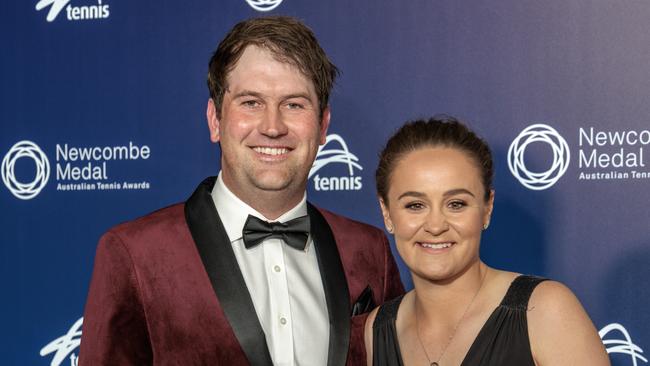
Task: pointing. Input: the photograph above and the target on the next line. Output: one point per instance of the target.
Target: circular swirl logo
(561, 155)
(25, 149)
(264, 5)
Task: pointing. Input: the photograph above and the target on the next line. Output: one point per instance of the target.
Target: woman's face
(436, 208)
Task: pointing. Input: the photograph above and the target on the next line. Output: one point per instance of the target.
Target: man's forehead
(259, 67)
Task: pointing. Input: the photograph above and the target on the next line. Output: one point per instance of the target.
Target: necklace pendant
(434, 364)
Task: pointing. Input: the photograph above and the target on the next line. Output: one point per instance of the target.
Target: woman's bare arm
(560, 331)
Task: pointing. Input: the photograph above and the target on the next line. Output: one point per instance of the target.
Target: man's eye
(250, 103)
(295, 106)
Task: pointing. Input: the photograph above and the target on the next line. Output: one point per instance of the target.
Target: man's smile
(274, 151)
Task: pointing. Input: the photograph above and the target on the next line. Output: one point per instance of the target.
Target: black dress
(502, 341)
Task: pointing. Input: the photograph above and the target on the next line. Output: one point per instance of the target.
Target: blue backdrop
(102, 120)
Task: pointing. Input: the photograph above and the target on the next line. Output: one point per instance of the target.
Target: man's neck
(271, 204)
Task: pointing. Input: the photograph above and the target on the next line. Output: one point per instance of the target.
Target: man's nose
(273, 124)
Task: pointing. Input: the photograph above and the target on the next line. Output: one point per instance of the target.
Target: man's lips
(271, 150)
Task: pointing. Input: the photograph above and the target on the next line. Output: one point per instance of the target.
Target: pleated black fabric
(502, 341)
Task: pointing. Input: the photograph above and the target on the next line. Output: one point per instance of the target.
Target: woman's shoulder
(541, 293)
(553, 301)
(372, 318)
(547, 301)
(560, 329)
(385, 312)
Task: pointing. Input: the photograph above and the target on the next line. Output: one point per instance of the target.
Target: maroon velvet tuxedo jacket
(167, 290)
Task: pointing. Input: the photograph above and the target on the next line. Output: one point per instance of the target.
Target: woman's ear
(384, 212)
(489, 206)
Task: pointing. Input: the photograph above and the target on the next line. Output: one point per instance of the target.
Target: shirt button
(283, 321)
(276, 268)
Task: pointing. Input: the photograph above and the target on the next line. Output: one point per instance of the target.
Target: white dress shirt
(284, 283)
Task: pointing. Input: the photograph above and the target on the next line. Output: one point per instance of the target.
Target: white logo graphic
(25, 149)
(98, 11)
(57, 6)
(264, 5)
(624, 346)
(64, 345)
(341, 156)
(85, 168)
(561, 155)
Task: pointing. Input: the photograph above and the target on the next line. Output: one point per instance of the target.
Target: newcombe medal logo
(26, 168)
(30, 189)
(543, 179)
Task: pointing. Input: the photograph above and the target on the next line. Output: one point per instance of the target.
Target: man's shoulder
(339, 222)
(162, 220)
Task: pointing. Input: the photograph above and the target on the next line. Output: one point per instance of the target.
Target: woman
(434, 183)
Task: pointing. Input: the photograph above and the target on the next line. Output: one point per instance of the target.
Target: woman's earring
(389, 229)
(486, 225)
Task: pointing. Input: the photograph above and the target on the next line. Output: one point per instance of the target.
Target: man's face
(269, 128)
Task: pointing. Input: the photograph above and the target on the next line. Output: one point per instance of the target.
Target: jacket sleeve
(393, 286)
(114, 327)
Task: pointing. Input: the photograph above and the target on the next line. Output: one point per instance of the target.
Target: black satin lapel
(227, 281)
(335, 285)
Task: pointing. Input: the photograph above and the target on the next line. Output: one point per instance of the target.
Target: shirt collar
(233, 212)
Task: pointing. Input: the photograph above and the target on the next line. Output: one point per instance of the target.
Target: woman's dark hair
(439, 131)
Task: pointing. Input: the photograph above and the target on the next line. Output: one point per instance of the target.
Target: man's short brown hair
(288, 39)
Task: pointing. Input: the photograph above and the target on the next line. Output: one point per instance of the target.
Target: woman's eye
(414, 206)
(456, 205)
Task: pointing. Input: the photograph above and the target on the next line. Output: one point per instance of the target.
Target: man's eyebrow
(250, 93)
(297, 95)
(247, 93)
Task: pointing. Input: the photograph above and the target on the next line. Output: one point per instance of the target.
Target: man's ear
(386, 215)
(213, 121)
(324, 125)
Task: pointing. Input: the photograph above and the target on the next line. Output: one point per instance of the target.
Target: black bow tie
(294, 232)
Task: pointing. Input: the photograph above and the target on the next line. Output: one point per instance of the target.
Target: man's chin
(273, 183)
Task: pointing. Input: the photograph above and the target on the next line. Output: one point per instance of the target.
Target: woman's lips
(436, 246)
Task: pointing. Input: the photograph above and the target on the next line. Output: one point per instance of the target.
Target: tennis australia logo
(74, 13)
(64, 346)
(29, 150)
(264, 5)
(561, 156)
(624, 346)
(332, 155)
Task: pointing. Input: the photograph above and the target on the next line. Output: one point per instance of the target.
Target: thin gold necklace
(453, 332)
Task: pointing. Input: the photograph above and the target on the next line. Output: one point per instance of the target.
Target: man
(246, 271)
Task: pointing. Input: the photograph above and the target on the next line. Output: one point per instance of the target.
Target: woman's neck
(436, 300)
